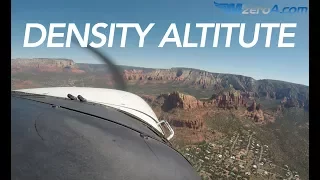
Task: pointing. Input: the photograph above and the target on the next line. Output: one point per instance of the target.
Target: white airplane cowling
(122, 100)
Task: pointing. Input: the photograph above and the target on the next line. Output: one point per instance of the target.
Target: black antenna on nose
(116, 72)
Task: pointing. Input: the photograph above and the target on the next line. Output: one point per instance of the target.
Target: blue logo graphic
(239, 8)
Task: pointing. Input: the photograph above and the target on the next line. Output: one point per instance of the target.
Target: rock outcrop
(196, 124)
(229, 99)
(291, 103)
(255, 112)
(180, 100)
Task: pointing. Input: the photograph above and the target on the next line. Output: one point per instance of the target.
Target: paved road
(248, 144)
(260, 156)
(235, 141)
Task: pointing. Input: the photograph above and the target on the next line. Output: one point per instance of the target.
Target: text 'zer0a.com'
(239, 8)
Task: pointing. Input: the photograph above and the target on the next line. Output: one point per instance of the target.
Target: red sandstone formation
(179, 100)
(255, 112)
(229, 99)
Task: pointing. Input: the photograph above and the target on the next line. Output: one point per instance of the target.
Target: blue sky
(288, 64)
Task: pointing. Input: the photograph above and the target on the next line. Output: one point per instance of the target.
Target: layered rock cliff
(44, 65)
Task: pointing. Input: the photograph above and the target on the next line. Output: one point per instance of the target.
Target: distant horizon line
(68, 59)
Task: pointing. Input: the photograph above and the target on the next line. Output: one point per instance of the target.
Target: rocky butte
(230, 98)
(255, 112)
(186, 111)
(180, 100)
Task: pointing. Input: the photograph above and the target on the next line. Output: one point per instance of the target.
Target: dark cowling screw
(143, 136)
(71, 97)
(82, 99)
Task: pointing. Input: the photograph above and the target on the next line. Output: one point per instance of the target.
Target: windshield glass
(230, 80)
